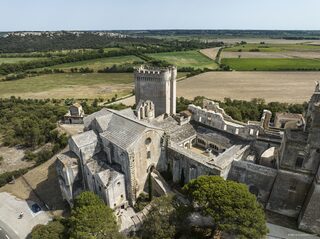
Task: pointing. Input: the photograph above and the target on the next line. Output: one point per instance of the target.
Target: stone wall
(146, 154)
(309, 219)
(187, 165)
(120, 157)
(157, 85)
(258, 178)
(289, 192)
(217, 121)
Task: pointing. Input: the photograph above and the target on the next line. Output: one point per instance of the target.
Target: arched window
(148, 141)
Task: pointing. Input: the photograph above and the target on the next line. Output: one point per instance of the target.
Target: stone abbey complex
(120, 151)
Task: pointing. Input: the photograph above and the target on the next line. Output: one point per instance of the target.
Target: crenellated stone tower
(157, 85)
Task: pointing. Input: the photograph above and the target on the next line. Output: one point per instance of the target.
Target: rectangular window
(299, 162)
(149, 155)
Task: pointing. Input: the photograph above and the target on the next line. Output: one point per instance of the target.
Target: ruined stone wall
(292, 148)
(259, 179)
(214, 106)
(186, 166)
(216, 120)
(260, 146)
(289, 192)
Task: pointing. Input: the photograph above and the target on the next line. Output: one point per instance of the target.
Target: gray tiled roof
(177, 132)
(128, 112)
(103, 121)
(88, 119)
(85, 138)
(119, 127)
(123, 131)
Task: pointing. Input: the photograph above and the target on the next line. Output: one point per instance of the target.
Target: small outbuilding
(75, 114)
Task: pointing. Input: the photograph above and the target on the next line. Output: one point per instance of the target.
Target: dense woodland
(280, 34)
(66, 40)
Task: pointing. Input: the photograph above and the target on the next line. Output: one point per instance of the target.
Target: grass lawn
(100, 63)
(186, 59)
(247, 64)
(274, 47)
(19, 59)
(66, 85)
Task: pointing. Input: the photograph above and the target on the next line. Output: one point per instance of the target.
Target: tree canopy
(53, 230)
(92, 219)
(231, 206)
(160, 222)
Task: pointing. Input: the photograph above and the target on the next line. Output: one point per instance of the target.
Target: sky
(34, 15)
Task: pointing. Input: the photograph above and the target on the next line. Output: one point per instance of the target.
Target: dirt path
(210, 52)
(12, 159)
(40, 185)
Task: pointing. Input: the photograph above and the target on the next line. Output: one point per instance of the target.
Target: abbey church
(119, 151)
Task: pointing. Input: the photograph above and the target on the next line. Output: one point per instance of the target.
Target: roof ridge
(133, 120)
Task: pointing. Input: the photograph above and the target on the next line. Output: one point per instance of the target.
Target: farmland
(266, 64)
(19, 59)
(288, 54)
(272, 86)
(186, 59)
(99, 63)
(66, 85)
(271, 57)
(71, 85)
(210, 52)
(273, 47)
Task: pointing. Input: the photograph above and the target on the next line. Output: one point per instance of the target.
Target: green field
(98, 64)
(19, 59)
(68, 85)
(271, 64)
(186, 59)
(274, 47)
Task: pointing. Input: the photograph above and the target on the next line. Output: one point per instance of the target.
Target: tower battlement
(157, 84)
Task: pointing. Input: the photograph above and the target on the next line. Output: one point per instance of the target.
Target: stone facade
(120, 150)
(157, 85)
(75, 114)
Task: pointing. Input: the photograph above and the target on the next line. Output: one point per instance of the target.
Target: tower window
(148, 141)
(148, 154)
(299, 162)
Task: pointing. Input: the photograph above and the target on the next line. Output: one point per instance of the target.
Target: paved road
(279, 232)
(6, 232)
